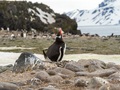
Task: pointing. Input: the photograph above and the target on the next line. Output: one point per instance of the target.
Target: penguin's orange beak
(61, 31)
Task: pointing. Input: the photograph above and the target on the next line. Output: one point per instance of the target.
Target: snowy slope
(107, 13)
(47, 18)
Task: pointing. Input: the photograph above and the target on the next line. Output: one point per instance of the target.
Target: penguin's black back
(56, 51)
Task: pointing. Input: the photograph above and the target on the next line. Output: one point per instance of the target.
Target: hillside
(23, 15)
(107, 13)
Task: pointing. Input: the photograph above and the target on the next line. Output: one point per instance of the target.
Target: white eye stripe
(58, 36)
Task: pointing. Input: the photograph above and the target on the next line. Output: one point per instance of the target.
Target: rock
(62, 64)
(92, 65)
(74, 66)
(103, 72)
(51, 72)
(64, 71)
(8, 86)
(82, 73)
(110, 65)
(56, 79)
(67, 82)
(80, 83)
(7, 67)
(97, 82)
(63, 75)
(34, 81)
(50, 87)
(110, 87)
(43, 76)
(26, 61)
(115, 77)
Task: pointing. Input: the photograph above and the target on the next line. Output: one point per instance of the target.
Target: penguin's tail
(45, 56)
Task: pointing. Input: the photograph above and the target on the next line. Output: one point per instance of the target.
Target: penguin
(57, 50)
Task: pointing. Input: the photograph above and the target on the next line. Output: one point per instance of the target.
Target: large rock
(80, 82)
(7, 67)
(74, 66)
(97, 82)
(64, 71)
(115, 77)
(8, 86)
(43, 76)
(92, 65)
(50, 87)
(26, 61)
(103, 72)
(56, 79)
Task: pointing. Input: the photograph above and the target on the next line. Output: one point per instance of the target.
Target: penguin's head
(60, 31)
(59, 34)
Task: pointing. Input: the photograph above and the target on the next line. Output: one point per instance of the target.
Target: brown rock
(64, 71)
(43, 76)
(8, 86)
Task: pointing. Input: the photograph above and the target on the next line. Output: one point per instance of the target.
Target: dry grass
(74, 45)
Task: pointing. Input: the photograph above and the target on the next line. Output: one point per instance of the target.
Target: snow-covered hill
(107, 13)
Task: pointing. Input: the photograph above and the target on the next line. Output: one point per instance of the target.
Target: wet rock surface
(65, 75)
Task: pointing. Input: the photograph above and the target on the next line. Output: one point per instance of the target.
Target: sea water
(101, 30)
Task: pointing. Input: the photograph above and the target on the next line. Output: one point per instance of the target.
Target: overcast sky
(61, 6)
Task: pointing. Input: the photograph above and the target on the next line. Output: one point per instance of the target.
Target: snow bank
(10, 57)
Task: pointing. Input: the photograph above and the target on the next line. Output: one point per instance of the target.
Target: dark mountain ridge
(23, 15)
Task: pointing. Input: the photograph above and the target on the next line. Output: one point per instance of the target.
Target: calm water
(101, 30)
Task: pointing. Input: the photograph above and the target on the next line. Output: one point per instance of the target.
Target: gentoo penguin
(56, 51)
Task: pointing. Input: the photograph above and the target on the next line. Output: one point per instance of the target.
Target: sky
(61, 6)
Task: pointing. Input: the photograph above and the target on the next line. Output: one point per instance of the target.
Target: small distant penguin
(57, 50)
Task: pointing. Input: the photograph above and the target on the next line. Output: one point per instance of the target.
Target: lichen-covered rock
(26, 61)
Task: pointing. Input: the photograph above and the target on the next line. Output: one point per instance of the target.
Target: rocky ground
(65, 75)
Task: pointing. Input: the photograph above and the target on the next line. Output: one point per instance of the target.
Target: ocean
(101, 30)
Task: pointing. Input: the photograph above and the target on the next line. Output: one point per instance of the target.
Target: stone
(115, 77)
(43, 76)
(80, 83)
(103, 72)
(51, 72)
(110, 65)
(64, 71)
(97, 82)
(50, 87)
(92, 65)
(7, 67)
(56, 79)
(82, 73)
(26, 61)
(34, 81)
(8, 86)
(74, 66)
